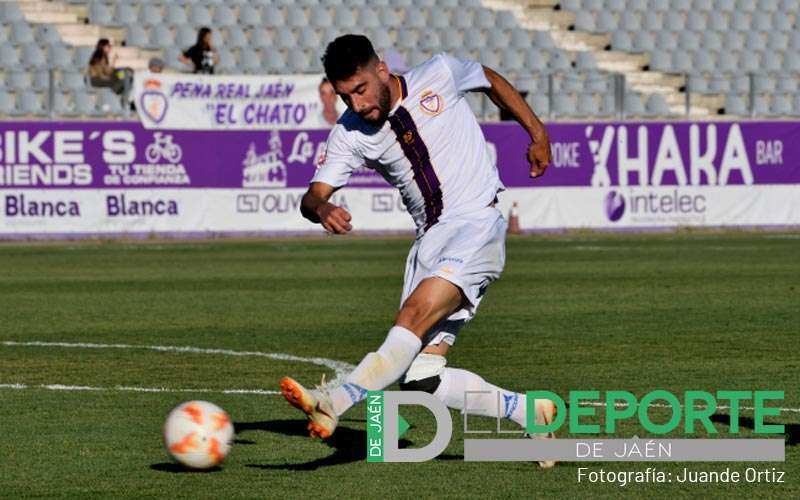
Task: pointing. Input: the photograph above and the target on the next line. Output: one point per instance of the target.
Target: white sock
(378, 369)
(455, 382)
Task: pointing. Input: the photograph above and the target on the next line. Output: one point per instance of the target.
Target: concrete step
(656, 77)
(546, 19)
(620, 62)
(578, 40)
(87, 34)
(48, 17)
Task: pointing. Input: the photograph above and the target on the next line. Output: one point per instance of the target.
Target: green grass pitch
(676, 311)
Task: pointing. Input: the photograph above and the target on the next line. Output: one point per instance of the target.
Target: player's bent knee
(424, 374)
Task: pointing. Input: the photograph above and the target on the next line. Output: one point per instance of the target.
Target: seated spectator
(102, 72)
(201, 56)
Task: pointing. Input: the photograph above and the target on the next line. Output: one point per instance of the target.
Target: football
(198, 434)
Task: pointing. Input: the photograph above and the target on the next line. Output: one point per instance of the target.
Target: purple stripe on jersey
(417, 153)
(403, 86)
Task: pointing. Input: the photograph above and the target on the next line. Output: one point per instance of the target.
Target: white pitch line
(339, 367)
(61, 387)
(659, 405)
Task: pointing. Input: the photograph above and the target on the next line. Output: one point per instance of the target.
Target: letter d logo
(390, 425)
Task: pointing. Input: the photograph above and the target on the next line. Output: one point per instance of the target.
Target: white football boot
(316, 404)
(546, 412)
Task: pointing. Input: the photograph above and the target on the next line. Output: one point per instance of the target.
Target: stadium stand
(737, 57)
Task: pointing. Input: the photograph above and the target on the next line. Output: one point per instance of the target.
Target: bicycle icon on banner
(163, 147)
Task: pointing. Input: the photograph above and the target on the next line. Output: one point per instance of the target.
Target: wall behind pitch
(101, 178)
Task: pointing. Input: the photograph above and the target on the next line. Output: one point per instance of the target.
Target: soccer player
(419, 132)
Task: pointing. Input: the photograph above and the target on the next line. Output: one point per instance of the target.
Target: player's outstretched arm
(316, 208)
(506, 97)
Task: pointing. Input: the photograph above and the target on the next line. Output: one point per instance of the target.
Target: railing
(618, 88)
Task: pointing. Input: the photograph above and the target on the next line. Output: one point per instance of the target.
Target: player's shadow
(791, 432)
(349, 445)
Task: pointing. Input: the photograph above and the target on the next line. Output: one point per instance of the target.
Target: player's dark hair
(345, 55)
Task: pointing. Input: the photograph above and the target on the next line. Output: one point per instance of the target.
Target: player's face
(367, 93)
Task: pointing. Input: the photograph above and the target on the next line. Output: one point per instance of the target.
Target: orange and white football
(198, 434)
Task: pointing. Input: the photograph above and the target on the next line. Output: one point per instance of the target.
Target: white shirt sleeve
(339, 160)
(467, 75)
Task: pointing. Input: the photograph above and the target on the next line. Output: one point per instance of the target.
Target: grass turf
(635, 312)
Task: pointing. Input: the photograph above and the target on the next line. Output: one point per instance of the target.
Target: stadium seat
(199, 15)
(249, 15)
(41, 79)
(161, 36)
(631, 21)
(605, 22)
(539, 103)
(543, 40)
(596, 82)
(21, 33)
(787, 83)
(124, 14)
(585, 61)
(657, 106)
(735, 105)
(175, 15)
(696, 83)
(711, 41)
(59, 57)
(660, 60)
(10, 13)
(30, 103)
(33, 57)
(621, 40)
(534, 61)
(703, 60)
(150, 15)
(273, 61)
(586, 106)
(72, 81)
(584, 21)
(781, 105)
(227, 62)
(108, 102)
(497, 39)
(7, 103)
(633, 105)
(224, 16)
(18, 81)
(563, 105)
(559, 60)
(681, 62)
(234, 37)
(137, 36)
(185, 36)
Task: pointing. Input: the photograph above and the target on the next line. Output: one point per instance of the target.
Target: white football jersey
(431, 148)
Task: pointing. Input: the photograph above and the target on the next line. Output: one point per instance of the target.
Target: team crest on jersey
(431, 103)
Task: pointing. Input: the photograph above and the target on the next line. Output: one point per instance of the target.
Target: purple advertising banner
(117, 155)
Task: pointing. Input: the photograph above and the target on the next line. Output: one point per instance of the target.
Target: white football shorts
(468, 251)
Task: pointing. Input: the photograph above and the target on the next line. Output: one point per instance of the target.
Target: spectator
(102, 72)
(201, 55)
(328, 99)
(155, 65)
